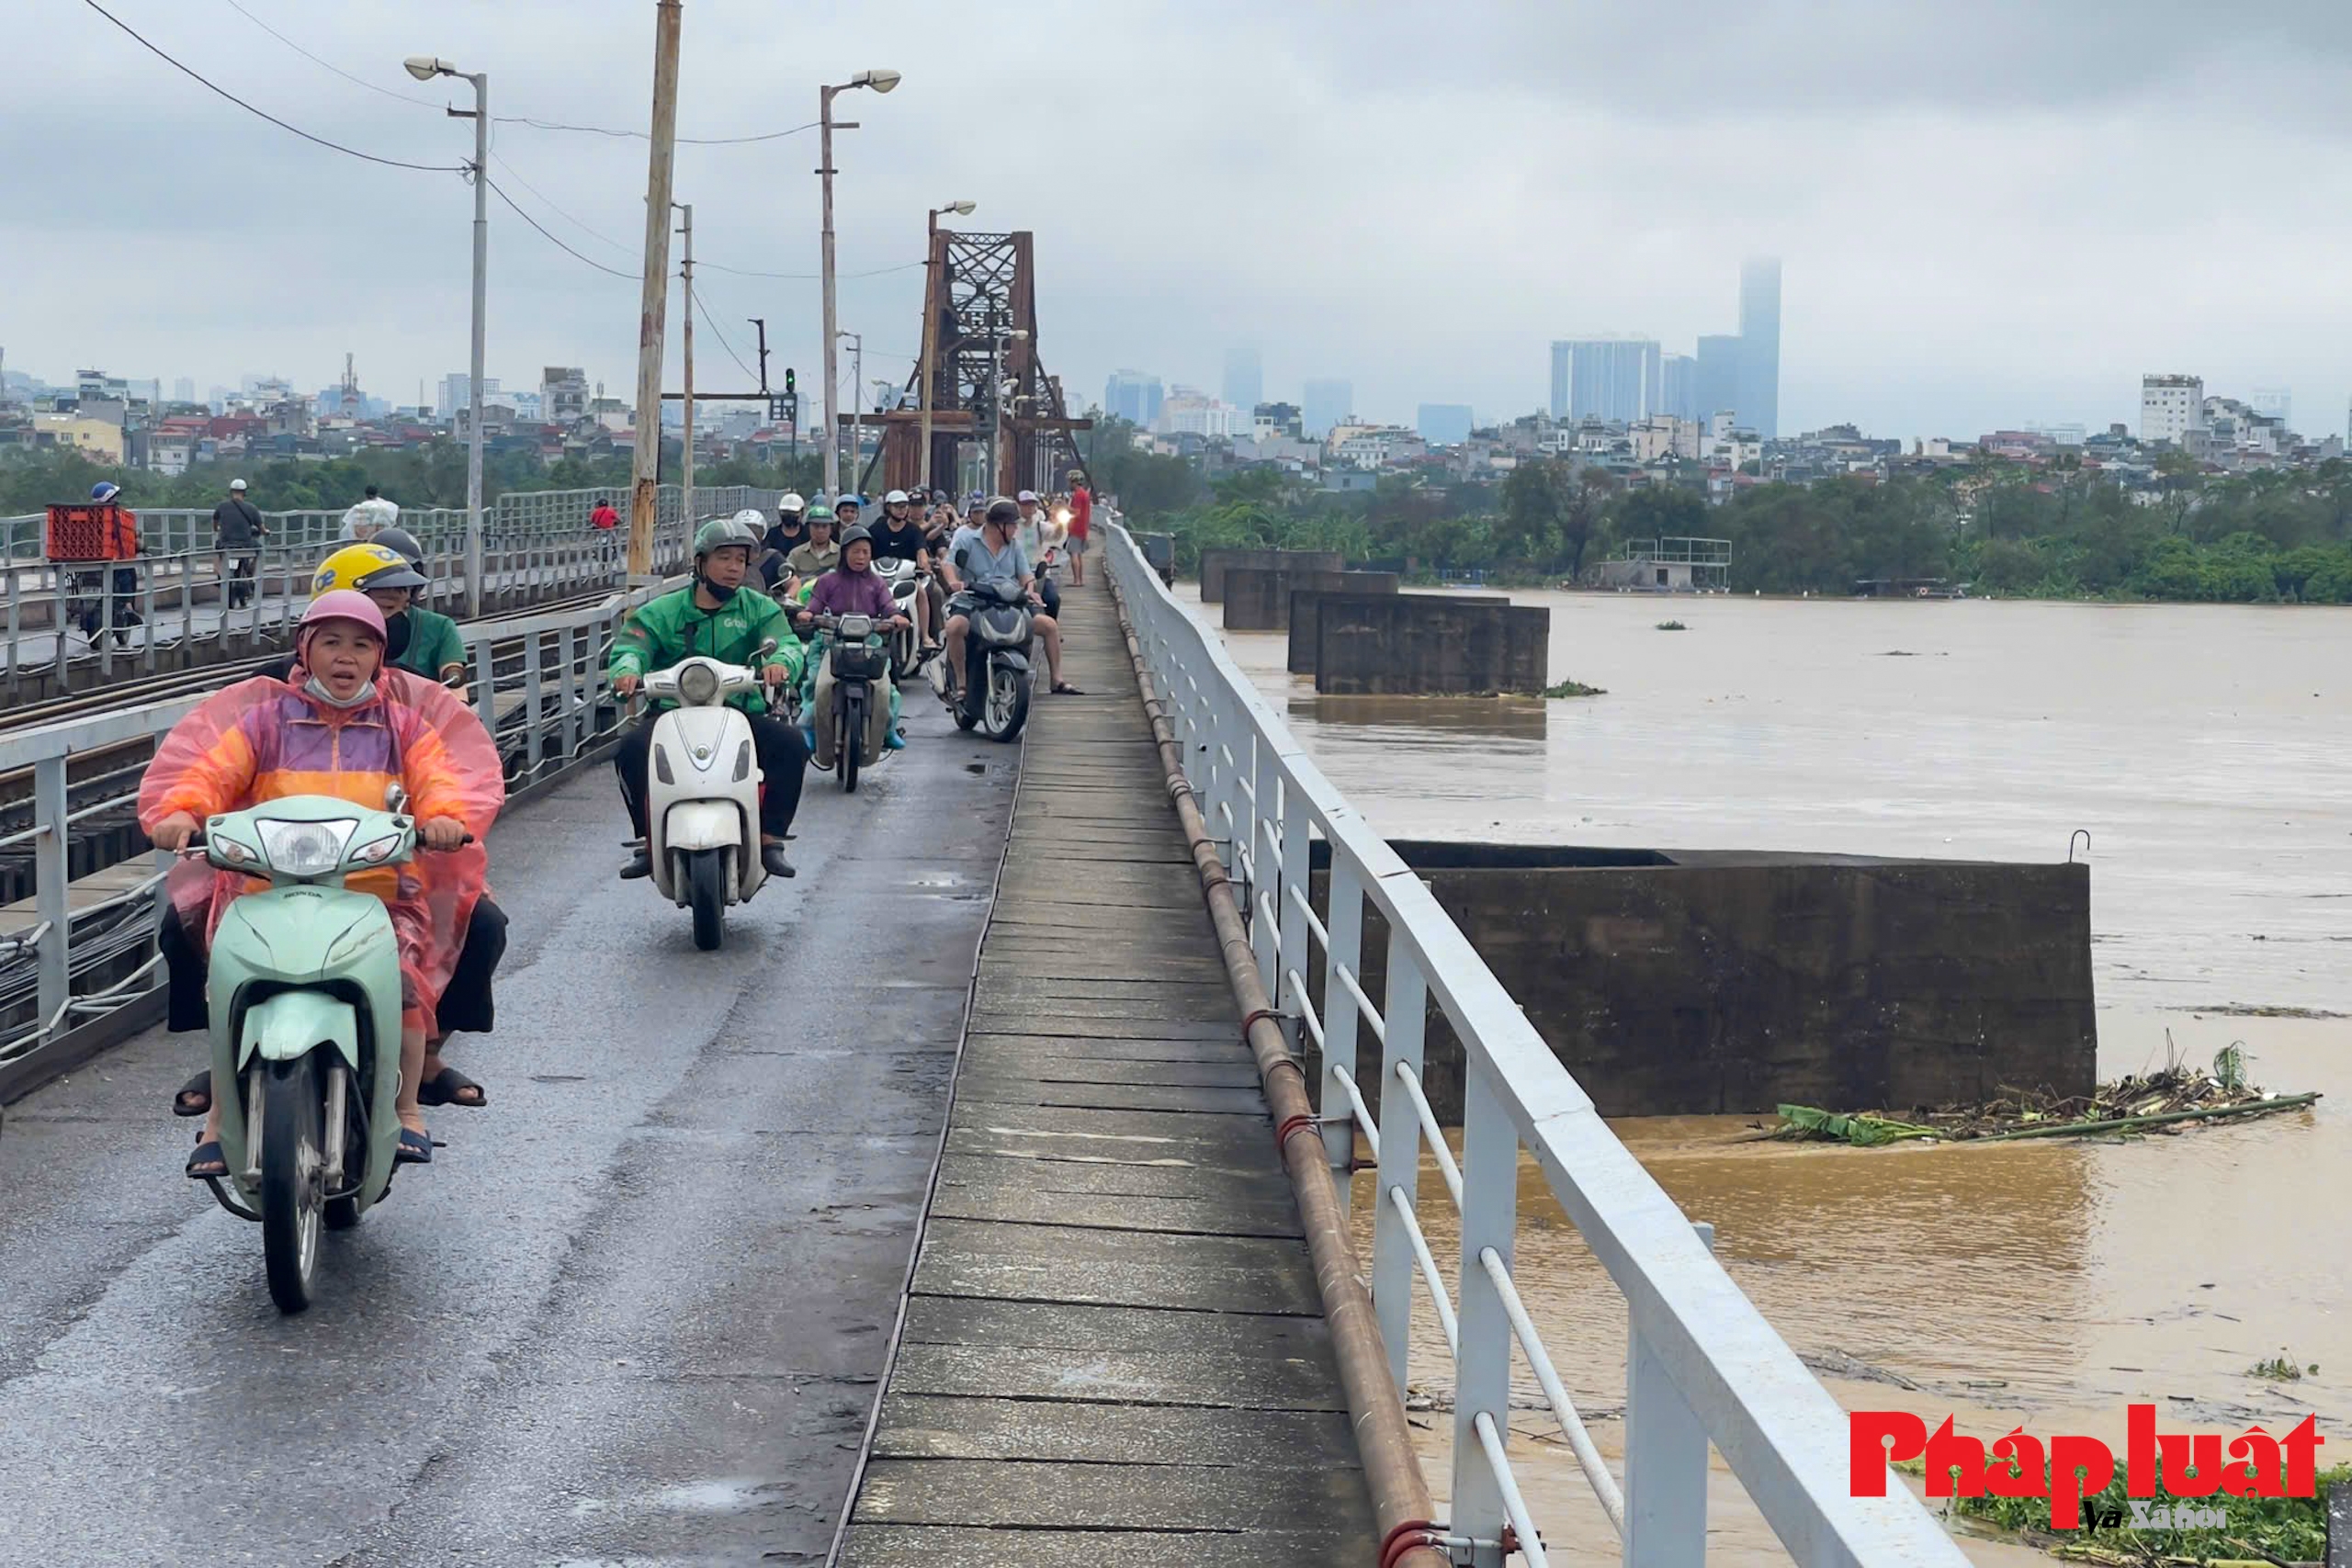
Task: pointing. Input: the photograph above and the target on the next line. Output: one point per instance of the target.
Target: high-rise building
(1133, 396)
(1716, 378)
(1444, 424)
(2277, 402)
(1759, 335)
(1677, 386)
(1245, 377)
(183, 390)
(1614, 379)
(456, 393)
(2171, 406)
(1324, 404)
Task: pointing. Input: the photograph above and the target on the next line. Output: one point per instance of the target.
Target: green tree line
(2002, 529)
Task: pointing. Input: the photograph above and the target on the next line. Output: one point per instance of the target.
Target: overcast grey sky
(1989, 212)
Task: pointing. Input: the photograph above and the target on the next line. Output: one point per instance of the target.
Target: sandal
(195, 1097)
(416, 1148)
(1064, 689)
(449, 1087)
(208, 1154)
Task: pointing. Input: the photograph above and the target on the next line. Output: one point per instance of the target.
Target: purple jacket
(839, 593)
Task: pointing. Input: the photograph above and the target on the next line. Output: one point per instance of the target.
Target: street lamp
(424, 67)
(858, 406)
(930, 322)
(996, 396)
(881, 81)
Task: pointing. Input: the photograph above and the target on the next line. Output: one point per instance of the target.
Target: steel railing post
(1405, 1008)
(568, 691)
(1272, 874)
(50, 880)
(1343, 925)
(534, 721)
(1482, 1364)
(1666, 1459)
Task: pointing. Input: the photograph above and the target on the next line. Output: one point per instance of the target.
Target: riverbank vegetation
(2002, 529)
(2260, 1529)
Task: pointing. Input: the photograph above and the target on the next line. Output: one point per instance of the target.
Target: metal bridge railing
(1703, 1365)
(87, 624)
(539, 685)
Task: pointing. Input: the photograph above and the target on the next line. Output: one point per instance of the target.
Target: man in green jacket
(719, 618)
(430, 644)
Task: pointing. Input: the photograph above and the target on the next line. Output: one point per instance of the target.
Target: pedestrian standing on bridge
(368, 518)
(608, 524)
(1081, 523)
(237, 534)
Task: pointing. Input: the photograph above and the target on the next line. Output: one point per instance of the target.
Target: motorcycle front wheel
(293, 1178)
(1008, 702)
(706, 893)
(849, 745)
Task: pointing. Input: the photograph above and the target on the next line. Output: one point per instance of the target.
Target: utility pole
(645, 492)
(856, 406)
(833, 369)
(482, 296)
(760, 324)
(686, 476)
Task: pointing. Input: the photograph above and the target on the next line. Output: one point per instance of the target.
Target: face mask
(721, 591)
(318, 689)
(397, 629)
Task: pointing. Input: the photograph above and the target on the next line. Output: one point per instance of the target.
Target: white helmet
(792, 503)
(751, 517)
(896, 498)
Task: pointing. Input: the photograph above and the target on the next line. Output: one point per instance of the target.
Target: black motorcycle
(860, 659)
(995, 698)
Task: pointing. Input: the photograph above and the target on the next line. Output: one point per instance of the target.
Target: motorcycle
(703, 793)
(905, 581)
(859, 661)
(995, 698)
(305, 987)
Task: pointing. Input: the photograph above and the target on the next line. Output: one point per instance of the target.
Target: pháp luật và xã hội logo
(2073, 1467)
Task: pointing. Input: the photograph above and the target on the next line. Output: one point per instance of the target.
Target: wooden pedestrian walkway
(1114, 1351)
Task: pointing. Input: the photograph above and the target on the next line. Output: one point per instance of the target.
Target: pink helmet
(345, 604)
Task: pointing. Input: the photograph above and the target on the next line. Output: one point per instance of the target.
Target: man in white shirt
(369, 517)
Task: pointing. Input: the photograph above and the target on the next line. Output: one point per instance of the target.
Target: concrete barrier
(1215, 560)
(1694, 983)
(1305, 622)
(1257, 598)
(1429, 645)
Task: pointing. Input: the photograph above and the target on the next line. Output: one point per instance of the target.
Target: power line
(639, 135)
(355, 81)
(559, 212)
(208, 85)
(750, 375)
(808, 277)
(550, 238)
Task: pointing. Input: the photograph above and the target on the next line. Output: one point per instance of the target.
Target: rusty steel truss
(981, 291)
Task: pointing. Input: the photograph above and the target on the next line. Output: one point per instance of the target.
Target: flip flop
(444, 1087)
(416, 1148)
(195, 1097)
(1064, 689)
(208, 1154)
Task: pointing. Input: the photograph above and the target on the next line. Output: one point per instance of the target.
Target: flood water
(2205, 750)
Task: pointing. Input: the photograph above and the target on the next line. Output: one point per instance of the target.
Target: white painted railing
(1703, 1365)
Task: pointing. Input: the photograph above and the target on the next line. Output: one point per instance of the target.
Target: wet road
(634, 1313)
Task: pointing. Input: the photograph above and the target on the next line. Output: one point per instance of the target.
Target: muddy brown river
(2205, 750)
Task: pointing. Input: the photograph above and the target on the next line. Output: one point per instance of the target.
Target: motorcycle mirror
(395, 799)
(765, 648)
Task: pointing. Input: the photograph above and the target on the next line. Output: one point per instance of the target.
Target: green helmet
(720, 532)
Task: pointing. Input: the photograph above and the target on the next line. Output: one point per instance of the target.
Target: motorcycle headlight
(698, 686)
(306, 849)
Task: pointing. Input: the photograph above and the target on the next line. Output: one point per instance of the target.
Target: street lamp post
(857, 405)
(931, 303)
(881, 81)
(425, 67)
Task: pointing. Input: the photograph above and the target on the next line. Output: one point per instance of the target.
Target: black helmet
(1004, 511)
(855, 534)
(402, 540)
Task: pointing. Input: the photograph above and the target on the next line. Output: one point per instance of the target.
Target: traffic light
(791, 381)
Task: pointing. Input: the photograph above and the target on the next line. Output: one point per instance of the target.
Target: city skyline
(2004, 307)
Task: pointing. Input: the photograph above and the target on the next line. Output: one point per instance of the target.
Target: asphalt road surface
(635, 1312)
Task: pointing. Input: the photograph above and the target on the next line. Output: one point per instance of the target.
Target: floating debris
(2159, 1101)
(1573, 689)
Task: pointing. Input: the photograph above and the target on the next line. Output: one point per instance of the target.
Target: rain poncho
(265, 739)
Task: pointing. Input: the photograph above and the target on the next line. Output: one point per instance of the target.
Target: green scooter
(304, 988)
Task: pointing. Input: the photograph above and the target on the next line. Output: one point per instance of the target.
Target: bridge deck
(1113, 1324)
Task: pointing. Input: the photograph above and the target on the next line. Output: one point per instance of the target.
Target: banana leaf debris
(2167, 1101)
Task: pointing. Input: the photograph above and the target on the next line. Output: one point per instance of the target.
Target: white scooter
(703, 792)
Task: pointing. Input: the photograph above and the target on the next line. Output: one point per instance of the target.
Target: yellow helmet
(365, 566)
